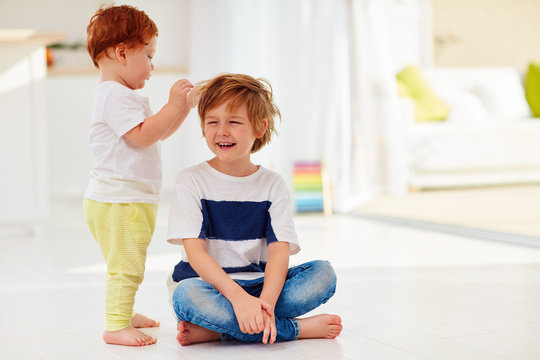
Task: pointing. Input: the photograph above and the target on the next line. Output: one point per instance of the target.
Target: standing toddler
(122, 196)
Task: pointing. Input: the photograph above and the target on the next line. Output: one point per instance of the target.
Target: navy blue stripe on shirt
(183, 270)
(236, 220)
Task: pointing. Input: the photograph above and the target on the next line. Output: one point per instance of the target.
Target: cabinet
(23, 122)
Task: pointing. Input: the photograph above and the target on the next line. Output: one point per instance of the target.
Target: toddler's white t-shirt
(121, 171)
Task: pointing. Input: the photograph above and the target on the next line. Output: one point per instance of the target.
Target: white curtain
(329, 64)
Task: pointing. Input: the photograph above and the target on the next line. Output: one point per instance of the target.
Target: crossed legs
(205, 315)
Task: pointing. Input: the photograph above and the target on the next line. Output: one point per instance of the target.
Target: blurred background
(407, 105)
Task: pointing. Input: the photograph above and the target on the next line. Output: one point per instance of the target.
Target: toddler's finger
(183, 82)
(193, 97)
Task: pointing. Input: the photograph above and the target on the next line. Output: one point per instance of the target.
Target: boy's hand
(249, 313)
(270, 332)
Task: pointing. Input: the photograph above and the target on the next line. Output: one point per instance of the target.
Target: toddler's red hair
(113, 25)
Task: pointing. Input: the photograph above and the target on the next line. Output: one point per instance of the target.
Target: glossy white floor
(402, 293)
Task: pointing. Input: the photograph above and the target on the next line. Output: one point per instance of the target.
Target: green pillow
(428, 106)
(532, 88)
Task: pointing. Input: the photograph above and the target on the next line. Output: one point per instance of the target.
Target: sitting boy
(235, 222)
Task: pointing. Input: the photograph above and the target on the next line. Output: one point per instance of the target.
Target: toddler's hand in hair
(179, 95)
(193, 96)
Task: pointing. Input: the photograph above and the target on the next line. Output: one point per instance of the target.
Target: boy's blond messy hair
(242, 89)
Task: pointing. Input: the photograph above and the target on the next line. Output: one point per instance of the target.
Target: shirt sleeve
(281, 217)
(185, 215)
(123, 110)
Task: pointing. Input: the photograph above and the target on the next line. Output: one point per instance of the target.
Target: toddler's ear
(120, 53)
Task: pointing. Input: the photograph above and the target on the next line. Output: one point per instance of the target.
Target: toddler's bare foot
(141, 321)
(128, 336)
(189, 333)
(323, 326)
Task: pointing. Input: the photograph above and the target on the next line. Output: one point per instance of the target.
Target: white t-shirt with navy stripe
(237, 216)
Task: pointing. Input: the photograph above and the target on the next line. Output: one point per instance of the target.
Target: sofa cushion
(503, 94)
(499, 88)
(532, 88)
(465, 107)
(428, 106)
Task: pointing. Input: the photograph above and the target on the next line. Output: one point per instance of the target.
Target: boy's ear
(120, 53)
(264, 125)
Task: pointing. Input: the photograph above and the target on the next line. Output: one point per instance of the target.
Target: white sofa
(489, 137)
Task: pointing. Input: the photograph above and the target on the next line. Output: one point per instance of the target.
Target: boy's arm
(247, 308)
(275, 272)
(275, 275)
(161, 125)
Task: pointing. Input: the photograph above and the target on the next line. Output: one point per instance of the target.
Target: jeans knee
(187, 295)
(200, 303)
(326, 277)
(310, 285)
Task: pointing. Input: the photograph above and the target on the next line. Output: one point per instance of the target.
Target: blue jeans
(307, 286)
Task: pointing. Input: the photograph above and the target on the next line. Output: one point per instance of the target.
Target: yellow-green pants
(123, 231)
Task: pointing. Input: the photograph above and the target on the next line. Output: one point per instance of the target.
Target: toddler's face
(139, 64)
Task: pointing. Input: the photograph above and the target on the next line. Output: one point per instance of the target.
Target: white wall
(507, 36)
(72, 17)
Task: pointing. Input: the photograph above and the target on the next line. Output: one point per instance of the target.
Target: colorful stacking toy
(309, 189)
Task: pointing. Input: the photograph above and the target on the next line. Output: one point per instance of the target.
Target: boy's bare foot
(141, 321)
(189, 333)
(323, 326)
(128, 336)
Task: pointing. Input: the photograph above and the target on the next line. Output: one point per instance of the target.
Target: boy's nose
(223, 129)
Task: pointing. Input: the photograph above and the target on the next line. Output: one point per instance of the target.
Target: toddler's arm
(162, 124)
(248, 309)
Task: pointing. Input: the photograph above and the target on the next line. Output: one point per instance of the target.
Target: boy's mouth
(225, 145)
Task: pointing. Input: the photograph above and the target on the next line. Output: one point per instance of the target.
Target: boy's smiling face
(230, 136)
